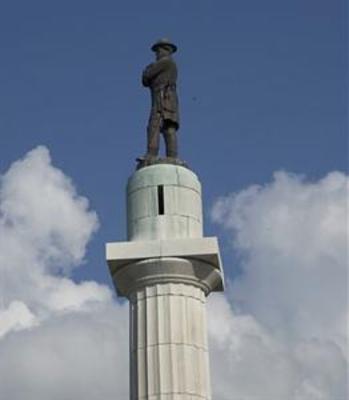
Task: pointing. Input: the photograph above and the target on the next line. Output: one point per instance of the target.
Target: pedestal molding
(135, 276)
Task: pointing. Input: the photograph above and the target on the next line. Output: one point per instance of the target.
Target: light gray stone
(163, 174)
(164, 227)
(121, 253)
(195, 272)
(181, 214)
(169, 349)
(166, 270)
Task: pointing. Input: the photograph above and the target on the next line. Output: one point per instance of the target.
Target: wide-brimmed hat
(164, 42)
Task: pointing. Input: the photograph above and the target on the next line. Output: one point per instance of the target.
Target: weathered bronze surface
(161, 78)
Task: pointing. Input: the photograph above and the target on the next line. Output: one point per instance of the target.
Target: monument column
(166, 270)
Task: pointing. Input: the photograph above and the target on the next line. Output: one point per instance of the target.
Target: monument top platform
(147, 161)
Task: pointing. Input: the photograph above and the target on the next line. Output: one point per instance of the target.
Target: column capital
(134, 265)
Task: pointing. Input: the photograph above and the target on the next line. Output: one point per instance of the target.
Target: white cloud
(284, 338)
(58, 339)
(291, 236)
(248, 362)
(16, 317)
(39, 205)
(44, 229)
(77, 355)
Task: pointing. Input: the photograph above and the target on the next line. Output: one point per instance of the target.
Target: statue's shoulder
(167, 61)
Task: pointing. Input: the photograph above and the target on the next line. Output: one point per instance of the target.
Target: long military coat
(161, 77)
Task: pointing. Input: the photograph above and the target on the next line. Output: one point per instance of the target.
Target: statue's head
(163, 48)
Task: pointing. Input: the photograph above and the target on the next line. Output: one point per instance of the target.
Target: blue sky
(262, 87)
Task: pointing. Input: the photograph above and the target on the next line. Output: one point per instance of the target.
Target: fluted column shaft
(169, 351)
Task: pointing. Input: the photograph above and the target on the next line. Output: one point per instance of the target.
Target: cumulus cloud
(290, 295)
(59, 339)
(15, 317)
(44, 229)
(278, 334)
(40, 208)
(75, 355)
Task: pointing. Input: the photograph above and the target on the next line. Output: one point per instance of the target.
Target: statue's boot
(150, 157)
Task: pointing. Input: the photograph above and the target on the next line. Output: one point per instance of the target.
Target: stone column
(166, 270)
(169, 354)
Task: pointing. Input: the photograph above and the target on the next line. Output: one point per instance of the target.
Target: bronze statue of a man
(161, 76)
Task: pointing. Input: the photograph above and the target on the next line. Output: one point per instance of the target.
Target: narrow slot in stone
(161, 200)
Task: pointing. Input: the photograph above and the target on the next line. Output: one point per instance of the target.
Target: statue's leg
(170, 137)
(153, 133)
